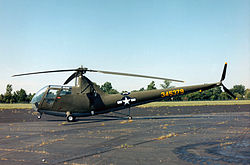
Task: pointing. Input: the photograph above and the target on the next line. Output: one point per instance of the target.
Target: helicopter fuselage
(60, 100)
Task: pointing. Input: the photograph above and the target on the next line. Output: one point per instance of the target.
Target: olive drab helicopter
(87, 99)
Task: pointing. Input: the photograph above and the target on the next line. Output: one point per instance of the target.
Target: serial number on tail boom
(172, 93)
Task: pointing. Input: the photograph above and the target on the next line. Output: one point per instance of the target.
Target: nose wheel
(39, 116)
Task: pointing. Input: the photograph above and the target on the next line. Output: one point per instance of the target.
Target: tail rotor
(223, 86)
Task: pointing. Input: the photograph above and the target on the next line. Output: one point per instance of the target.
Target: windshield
(39, 95)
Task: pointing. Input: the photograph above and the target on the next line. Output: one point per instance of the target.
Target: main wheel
(70, 118)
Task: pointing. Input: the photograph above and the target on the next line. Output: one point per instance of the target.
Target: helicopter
(87, 99)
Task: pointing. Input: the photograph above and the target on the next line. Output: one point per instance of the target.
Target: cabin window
(51, 96)
(65, 91)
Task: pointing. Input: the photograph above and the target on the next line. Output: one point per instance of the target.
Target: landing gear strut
(123, 114)
(129, 117)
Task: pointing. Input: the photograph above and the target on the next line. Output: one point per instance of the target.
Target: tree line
(21, 96)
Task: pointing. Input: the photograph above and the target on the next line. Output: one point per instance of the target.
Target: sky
(178, 39)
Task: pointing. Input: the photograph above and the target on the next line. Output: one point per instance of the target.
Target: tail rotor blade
(224, 72)
(229, 92)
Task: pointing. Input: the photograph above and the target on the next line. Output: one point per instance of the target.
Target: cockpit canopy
(51, 91)
(39, 95)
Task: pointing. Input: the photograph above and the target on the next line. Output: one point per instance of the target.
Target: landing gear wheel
(70, 118)
(39, 115)
(130, 117)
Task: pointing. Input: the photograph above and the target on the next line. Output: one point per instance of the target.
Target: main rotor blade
(229, 92)
(84, 70)
(134, 75)
(51, 71)
(70, 78)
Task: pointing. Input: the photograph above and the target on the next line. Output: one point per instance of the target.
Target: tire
(70, 118)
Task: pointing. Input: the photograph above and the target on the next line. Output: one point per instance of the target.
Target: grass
(153, 104)
(15, 106)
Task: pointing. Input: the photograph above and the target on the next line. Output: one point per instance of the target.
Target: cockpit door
(50, 98)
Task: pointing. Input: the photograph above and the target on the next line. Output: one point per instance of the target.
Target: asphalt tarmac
(165, 135)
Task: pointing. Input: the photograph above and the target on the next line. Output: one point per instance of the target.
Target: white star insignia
(126, 101)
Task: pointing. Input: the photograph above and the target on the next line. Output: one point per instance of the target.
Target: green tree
(14, 97)
(1, 98)
(107, 88)
(211, 94)
(196, 96)
(215, 93)
(240, 89)
(21, 95)
(8, 94)
(30, 96)
(8, 89)
(166, 84)
(206, 95)
(151, 86)
(247, 96)
(223, 96)
(141, 89)
(238, 96)
(113, 91)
